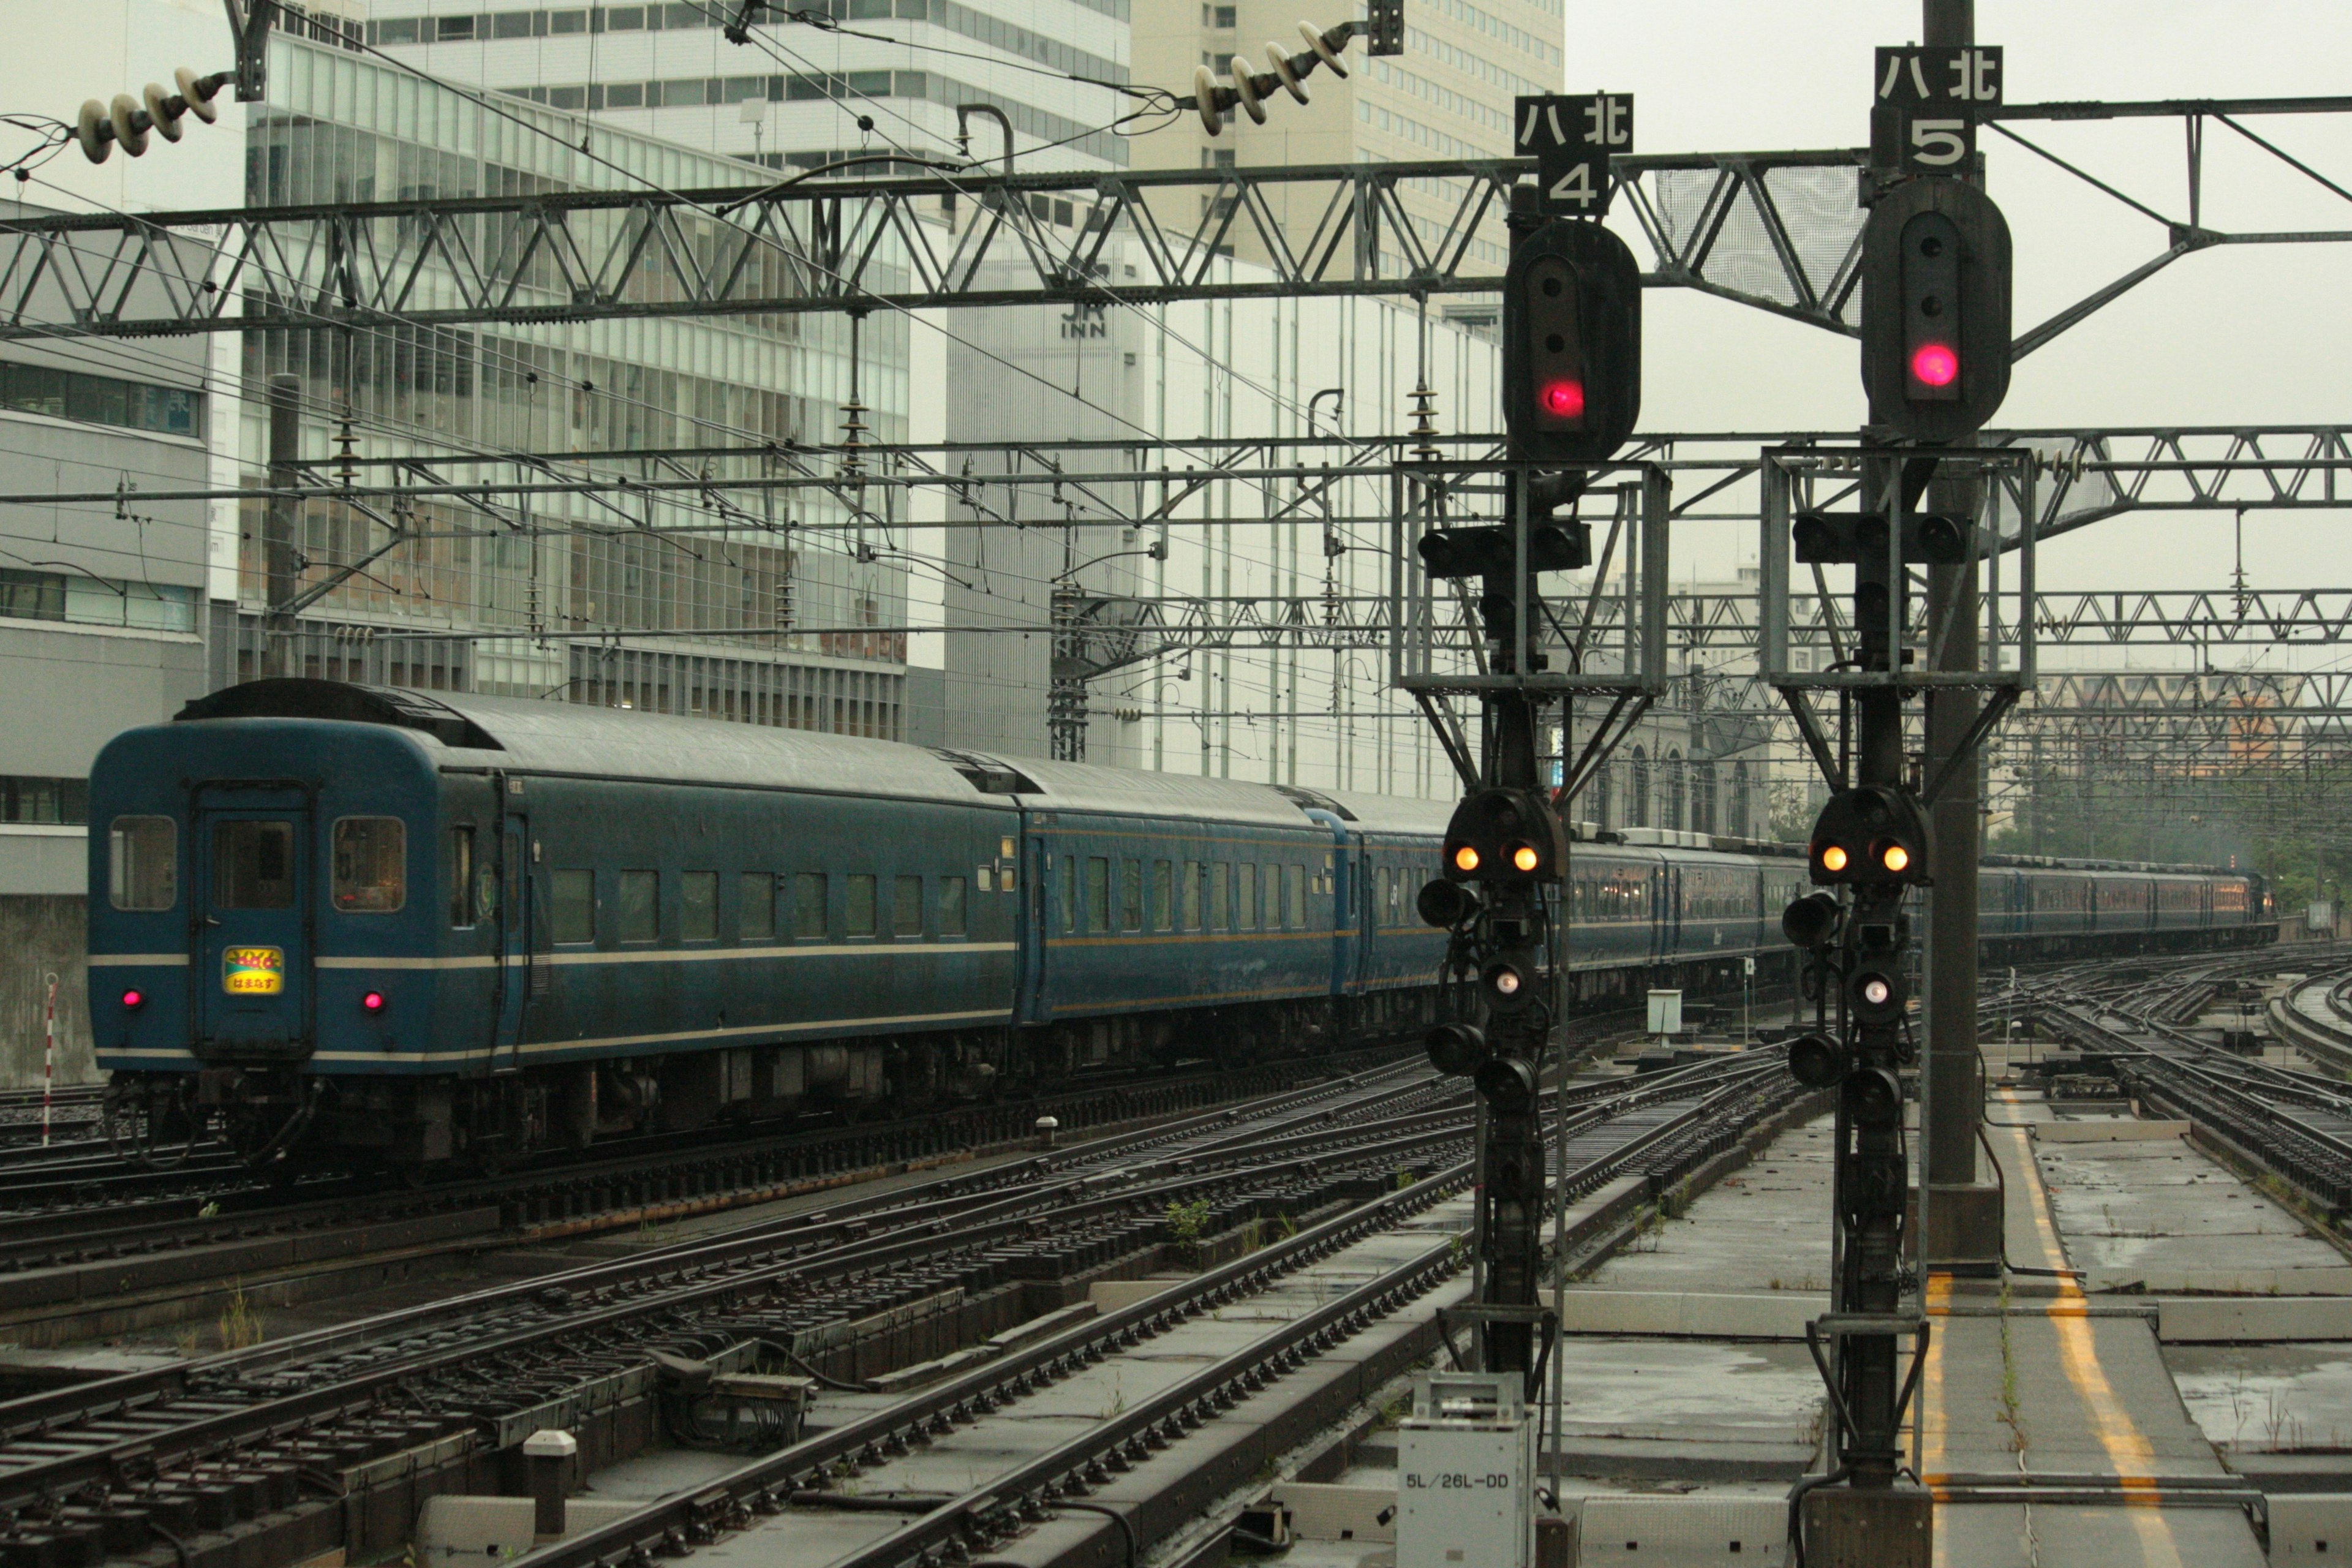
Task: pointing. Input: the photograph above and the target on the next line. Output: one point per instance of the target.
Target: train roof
(579, 740)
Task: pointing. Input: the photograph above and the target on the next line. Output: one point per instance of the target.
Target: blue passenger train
(448, 927)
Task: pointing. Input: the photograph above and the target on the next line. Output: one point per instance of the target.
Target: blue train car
(431, 929)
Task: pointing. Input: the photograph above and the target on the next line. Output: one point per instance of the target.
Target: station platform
(2103, 1405)
(2050, 1427)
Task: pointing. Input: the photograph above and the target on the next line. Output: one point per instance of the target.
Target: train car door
(256, 895)
(1037, 906)
(1668, 904)
(513, 882)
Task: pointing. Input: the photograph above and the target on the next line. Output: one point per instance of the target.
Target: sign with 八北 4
(1570, 136)
(1935, 97)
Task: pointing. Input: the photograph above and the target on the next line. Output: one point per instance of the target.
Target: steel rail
(665, 1525)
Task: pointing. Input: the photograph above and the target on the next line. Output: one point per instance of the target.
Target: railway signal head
(1445, 904)
(1571, 343)
(1877, 992)
(1818, 1062)
(1512, 982)
(1935, 309)
(1457, 1050)
(1503, 835)
(1870, 836)
(1507, 1083)
(1811, 921)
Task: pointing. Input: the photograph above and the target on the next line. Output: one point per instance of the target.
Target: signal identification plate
(253, 971)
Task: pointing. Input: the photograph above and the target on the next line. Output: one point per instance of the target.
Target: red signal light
(134, 1000)
(1563, 399)
(1935, 364)
(372, 1001)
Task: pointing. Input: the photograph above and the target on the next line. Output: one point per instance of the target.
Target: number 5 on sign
(1571, 136)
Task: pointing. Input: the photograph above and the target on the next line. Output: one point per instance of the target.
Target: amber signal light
(1465, 858)
(1895, 858)
(1834, 858)
(1524, 857)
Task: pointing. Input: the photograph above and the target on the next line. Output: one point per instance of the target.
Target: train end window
(698, 913)
(573, 906)
(906, 907)
(809, 907)
(952, 905)
(142, 863)
(638, 916)
(861, 921)
(253, 865)
(755, 909)
(460, 877)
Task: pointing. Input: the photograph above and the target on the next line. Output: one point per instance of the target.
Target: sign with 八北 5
(1936, 96)
(1571, 136)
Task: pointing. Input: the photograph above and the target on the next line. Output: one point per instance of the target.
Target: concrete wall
(41, 935)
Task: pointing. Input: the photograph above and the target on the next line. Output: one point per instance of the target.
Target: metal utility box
(1466, 1474)
(2311, 1527)
(1665, 1012)
(1684, 1531)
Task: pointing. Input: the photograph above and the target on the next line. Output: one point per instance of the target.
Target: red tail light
(373, 1002)
(134, 1000)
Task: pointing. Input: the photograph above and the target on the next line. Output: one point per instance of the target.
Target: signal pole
(1571, 394)
(1935, 365)
(1963, 1215)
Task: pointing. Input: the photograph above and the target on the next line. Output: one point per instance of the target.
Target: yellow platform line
(2127, 1448)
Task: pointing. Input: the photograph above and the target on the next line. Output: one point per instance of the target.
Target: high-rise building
(884, 77)
(1449, 95)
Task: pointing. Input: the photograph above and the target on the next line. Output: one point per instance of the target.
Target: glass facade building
(700, 601)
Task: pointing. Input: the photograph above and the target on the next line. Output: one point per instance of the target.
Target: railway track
(278, 1441)
(2293, 1125)
(109, 1248)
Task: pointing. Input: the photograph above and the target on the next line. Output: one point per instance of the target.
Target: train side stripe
(125, 960)
(607, 1042)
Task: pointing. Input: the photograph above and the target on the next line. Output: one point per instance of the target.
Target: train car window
(906, 907)
(574, 906)
(861, 911)
(1383, 880)
(1069, 893)
(1294, 897)
(143, 863)
(1191, 904)
(1221, 909)
(460, 877)
(1163, 894)
(1245, 897)
(639, 919)
(1097, 893)
(253, 865)
(1130, 895)
(755, 916)
(371, 857)
(951, 918)
(808, 906)
(697, 908)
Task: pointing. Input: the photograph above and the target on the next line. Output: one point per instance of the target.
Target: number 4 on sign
(1576, 185)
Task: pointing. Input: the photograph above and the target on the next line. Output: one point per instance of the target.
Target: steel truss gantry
(1776, 230)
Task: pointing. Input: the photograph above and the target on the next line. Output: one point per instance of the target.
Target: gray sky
(2241, 335)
